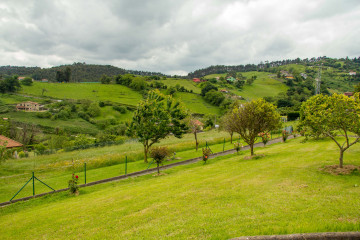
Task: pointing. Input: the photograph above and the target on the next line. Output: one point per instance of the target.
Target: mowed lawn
(92, 91)
(283, 192)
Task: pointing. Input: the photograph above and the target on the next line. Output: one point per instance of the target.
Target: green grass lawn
(283, 192)
(94, 91)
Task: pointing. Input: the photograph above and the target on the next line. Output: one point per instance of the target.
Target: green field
(188, 84)
(196, 104)
(93, 91)
(283, 192)
(78, 125)
(263, 86)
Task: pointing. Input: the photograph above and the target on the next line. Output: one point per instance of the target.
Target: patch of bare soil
(346, 170)
(254, 157)
(160, 174)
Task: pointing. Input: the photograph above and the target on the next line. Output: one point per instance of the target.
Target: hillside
(229, 197)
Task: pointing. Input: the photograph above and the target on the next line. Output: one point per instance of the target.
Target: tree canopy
(155, 118)
(252, 118)
(336, 117)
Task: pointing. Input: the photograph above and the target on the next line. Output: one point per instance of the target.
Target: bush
(206, 154)
(120, 109)
(159, 154)
(73, 184)
(21, 154)
(44, 115)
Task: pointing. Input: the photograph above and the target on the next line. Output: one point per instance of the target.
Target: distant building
(29, 106)
(304, 75)
(349, 94)
(224, 90)
(352, 73)
(231, 79)
(197, 80)
(44, 80)
(9, 142)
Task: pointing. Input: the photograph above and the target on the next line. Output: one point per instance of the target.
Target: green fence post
(125, 165)
(33, 178)
(224, 145)
(85, 172)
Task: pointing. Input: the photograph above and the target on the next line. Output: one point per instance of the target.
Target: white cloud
(175, 36)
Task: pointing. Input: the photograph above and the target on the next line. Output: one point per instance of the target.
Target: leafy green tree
(27, 81)
(357, 88)
(105, 79)
(155, 118)
(214, 97)
(227, 125)
(94, 110)
(336, 117)
(10, 84)
(207, 87)
(252, 118)
(67, 74)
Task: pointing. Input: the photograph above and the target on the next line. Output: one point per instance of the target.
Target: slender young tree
(336, 117)
(254, 117)
(156, 118)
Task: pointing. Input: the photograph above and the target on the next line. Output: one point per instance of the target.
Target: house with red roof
(9, 143)
(197, 80)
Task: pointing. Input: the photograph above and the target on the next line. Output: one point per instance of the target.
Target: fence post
(125, 165)
(33, 178)
(85, 171)
(224, 145)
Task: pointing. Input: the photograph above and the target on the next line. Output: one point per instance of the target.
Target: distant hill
(80, 72)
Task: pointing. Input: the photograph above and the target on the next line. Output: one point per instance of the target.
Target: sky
(175, 37)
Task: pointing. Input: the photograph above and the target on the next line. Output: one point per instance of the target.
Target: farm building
(29, 106)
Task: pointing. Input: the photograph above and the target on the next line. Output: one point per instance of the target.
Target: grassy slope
(263, 86)
(281, 193)
(92, 91)
(195, 103)
(77, 125)
(188, 84)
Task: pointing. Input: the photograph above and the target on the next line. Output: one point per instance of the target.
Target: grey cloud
(175, 36)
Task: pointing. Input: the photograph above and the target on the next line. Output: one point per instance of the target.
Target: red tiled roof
(10, 143)
(197, 122)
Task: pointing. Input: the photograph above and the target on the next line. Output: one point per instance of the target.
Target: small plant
(73, 184)
(294, 134)
(206, 154)
(285, 135)
(237, 147)
(265, 137)
(159, 154)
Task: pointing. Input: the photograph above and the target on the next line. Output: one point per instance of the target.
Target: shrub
(265, 137)
(237, 147)
(120, 109)
(206, 154)
(285, 134)
(73, 184)
(21, 154)
(159, 154)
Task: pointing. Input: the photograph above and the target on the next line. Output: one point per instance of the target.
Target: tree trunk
(158, 168)
(196, 141)
(146, 149)
(252, 149)
(231, 135)
(341, 158)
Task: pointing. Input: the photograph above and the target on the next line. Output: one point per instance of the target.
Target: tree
(195, 126)
(254, 117)
(67, 74)
(155, 118)
(357, 88)
(332, 116)
(105, 79)
(27, 81)
(159, 154)
(10, 84)
(208, 86)
(228, 126)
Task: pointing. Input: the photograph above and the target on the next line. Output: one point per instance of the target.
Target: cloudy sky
(175, 37)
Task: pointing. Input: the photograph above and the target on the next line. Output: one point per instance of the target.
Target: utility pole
(318, 81)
